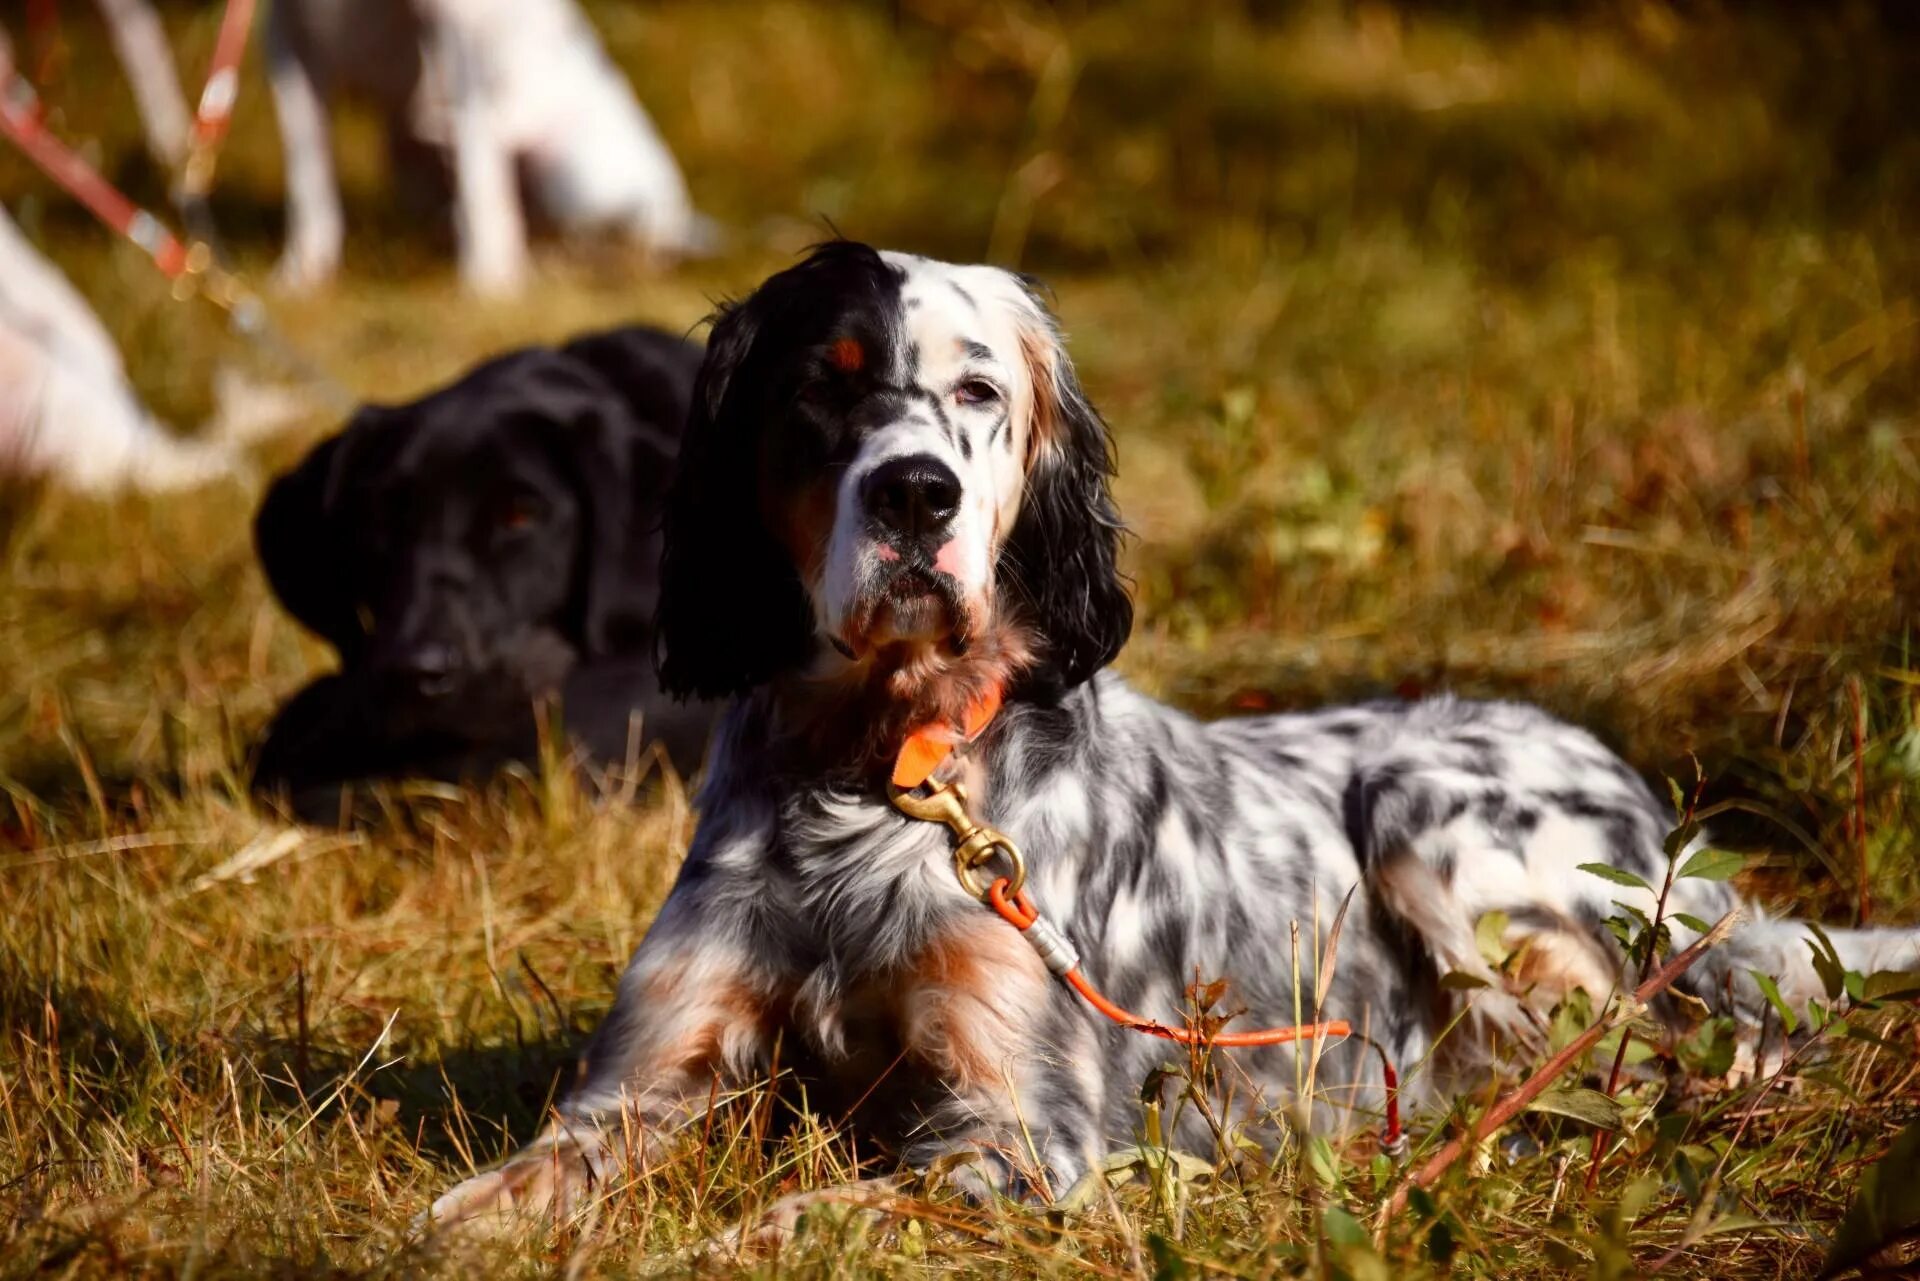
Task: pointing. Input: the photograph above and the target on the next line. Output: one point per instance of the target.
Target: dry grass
(1574, 359)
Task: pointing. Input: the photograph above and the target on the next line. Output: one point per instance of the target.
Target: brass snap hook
(978, 851)
(944, 803)
(974, 845)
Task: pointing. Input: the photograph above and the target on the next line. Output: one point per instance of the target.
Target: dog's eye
(976, 391)
(520, 513)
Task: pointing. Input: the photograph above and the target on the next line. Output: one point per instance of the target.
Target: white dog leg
(488, 221)
(141, 44)
(315, 227)
(66, 409)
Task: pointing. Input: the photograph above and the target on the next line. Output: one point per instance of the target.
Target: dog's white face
(945, 417)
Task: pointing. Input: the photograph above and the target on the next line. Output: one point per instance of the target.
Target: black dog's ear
(619, 475)
(302, 533)
(732, 611)
(1062, 559)
(651, 369)
(624, 437)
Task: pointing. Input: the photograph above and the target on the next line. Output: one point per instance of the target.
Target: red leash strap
(214, 115)
(192, 268)
(20, 122)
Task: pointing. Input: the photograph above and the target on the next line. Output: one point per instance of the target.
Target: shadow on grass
(114, 1064)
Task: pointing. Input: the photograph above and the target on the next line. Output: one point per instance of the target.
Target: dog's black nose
(912, 496)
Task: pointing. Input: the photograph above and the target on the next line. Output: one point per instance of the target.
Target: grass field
(1568, 353)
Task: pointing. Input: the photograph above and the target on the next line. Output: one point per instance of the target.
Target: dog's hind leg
(1559, 842)
(1784, 950)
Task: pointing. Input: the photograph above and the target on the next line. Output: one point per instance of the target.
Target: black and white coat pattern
(892, 494)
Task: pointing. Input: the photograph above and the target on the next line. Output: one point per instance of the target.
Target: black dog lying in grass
(474, 554)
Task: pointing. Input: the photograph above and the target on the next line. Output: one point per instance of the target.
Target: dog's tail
(1791, 954)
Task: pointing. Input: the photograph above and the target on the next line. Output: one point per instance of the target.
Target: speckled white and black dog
(893, 495)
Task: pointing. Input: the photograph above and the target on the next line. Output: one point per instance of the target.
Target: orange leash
(928, 747)
(1020, 913)
(925, 750)
(1060, 957)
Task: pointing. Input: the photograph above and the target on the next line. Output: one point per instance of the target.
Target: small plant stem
(1530, 1089)
(1598, 1152)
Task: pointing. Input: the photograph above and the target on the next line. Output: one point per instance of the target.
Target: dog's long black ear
(302, 534)
(623, 444)
(732, 610)
(1062, 559)
(622, 472)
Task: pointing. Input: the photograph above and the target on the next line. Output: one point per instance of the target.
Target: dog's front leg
(691, 1009)
(140, 42)
(315, 226)
(1017, 1068)
(488, 221)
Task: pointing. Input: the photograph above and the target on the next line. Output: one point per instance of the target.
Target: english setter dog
(893, 505)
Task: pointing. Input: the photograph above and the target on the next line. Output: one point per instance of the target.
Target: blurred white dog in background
(516, 95)
(66, 408)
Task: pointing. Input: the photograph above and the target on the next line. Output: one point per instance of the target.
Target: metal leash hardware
(975, 844)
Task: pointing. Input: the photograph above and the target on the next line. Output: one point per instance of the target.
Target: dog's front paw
(549, 1182)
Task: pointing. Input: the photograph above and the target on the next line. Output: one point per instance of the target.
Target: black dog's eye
(976, 391)
(522, 511)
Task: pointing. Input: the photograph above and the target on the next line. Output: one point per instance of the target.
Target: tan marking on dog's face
(848, 355)
(802, 519)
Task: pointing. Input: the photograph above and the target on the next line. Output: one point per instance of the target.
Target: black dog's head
(891, 479)
(504, 526)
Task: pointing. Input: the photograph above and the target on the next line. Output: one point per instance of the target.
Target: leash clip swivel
(975, 844)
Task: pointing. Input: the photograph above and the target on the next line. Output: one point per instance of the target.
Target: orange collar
(928, 747)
